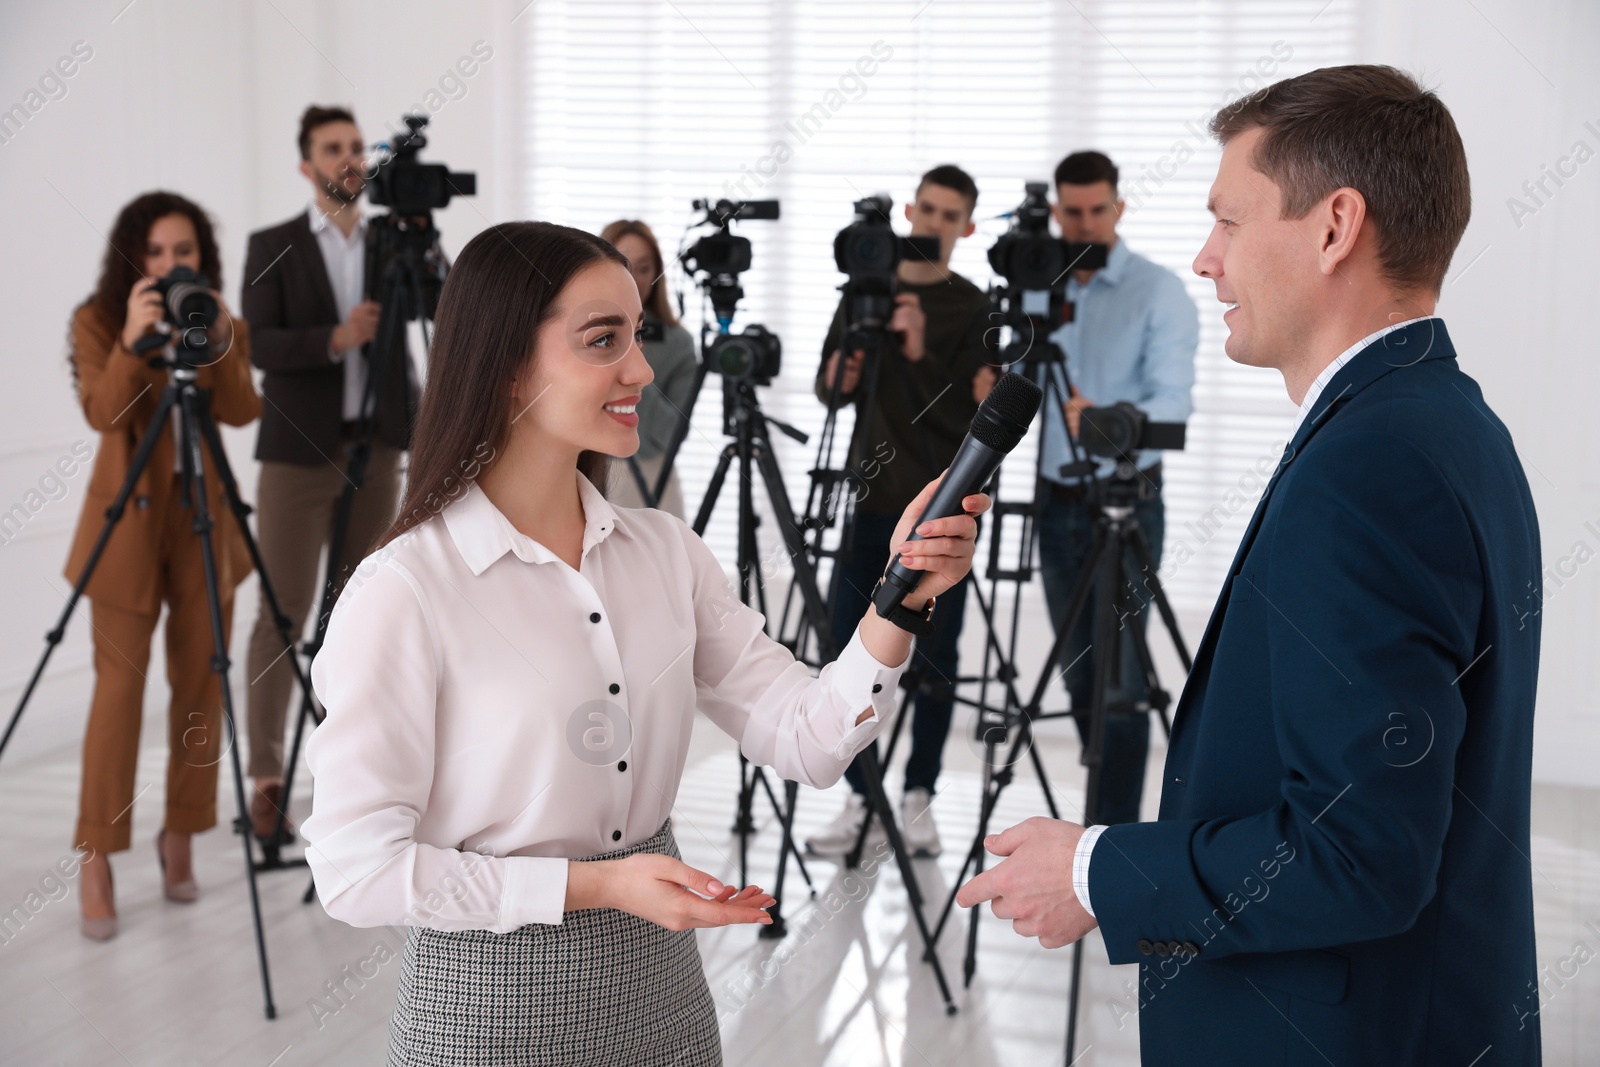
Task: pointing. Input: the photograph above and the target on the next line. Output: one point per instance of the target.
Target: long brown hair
(125, 252)
(501, 289)
(659, 302)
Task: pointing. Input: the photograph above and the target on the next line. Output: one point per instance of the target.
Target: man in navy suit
(1340, 873)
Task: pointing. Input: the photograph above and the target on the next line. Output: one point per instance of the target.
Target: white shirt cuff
(1080, 866)
(856, 673)
(534, 891)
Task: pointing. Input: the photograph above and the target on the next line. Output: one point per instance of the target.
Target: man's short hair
(1087, 168)
(1373, 129)
(315, 116)
(953, 177)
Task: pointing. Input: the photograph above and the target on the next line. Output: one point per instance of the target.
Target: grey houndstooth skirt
(603, 987)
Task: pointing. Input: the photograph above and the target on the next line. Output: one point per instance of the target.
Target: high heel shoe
(103, 928)
(186, 892)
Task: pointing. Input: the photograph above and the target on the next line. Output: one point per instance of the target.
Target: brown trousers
(195, 736)
(295, 509)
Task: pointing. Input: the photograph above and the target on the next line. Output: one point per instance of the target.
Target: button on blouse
(482, 695)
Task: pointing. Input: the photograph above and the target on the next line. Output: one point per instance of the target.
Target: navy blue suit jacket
(1340, 873)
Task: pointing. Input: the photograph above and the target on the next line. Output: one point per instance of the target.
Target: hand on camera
(982, 382)
(944, 550)
(672, 894)
(359, 328)
(852, 372)
(1073, 409)
(911, 324)
(146, 310)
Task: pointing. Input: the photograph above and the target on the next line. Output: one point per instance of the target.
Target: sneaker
(916, 824)
(840, 835)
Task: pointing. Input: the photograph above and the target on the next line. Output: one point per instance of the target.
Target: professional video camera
(408, 187)
(1033, 301)
(404, 244)
(1117, 431)
(870, 253)
(754, 356)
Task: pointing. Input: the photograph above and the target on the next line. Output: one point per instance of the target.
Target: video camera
(1035, 265)
(756, 355)
(408, 187)
(869, 252)
(1116, 431)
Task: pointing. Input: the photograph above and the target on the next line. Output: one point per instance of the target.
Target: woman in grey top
(669, 349)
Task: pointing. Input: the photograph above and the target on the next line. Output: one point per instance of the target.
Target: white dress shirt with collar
(345, 258)
(1080, 856)
(492, 712)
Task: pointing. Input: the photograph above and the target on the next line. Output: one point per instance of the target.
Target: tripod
(197, 430)
(752, 446)
(1119, 561)
(398, 255)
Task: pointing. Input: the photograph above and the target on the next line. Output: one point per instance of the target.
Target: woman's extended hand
(665, 891)
(945, 546)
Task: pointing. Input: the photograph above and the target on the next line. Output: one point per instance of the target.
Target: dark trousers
(1066, 539)
(935, 659)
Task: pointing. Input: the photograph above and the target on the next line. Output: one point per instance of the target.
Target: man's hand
(359, 328)
(982, 382)
(911, 324)
(852, 372)
(1073, 409)
(1033, 886)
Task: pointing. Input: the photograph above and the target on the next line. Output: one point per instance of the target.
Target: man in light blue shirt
(1132, 338)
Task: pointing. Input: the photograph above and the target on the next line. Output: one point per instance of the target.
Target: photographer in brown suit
(153, 554)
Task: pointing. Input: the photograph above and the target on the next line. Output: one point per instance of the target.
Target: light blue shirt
(1133, 338)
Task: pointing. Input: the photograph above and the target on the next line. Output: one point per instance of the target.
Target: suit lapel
(310, 253)
(1393, 351)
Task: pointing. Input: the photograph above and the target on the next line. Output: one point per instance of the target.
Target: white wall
(202, 98)
(1522, 83)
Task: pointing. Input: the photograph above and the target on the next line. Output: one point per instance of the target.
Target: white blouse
(492, 712)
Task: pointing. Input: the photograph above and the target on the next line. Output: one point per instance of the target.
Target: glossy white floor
(180, 985)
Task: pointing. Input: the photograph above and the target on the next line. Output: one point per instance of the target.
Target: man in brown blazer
(305, 296)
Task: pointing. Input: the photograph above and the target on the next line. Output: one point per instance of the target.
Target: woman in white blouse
(510, 682)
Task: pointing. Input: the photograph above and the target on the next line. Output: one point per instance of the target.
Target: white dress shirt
(345, 258)
(1080, 856)
(492, 712)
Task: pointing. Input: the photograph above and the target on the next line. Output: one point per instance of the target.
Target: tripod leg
(909, 875)
(852, 859)
(203, 528)
(785, 814)
(136, 466)
(241, 513)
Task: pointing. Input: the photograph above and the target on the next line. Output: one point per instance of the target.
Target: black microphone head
(1004, 416)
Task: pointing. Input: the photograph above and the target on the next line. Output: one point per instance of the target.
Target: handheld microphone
(1002, 420)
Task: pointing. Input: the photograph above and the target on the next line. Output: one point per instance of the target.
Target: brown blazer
(290, 304)
(119, 393)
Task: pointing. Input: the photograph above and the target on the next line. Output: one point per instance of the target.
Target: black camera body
(1035, 266)
(188, 300)
(1116, 431)
(754, 356)
(869, 252)
(408, 187)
